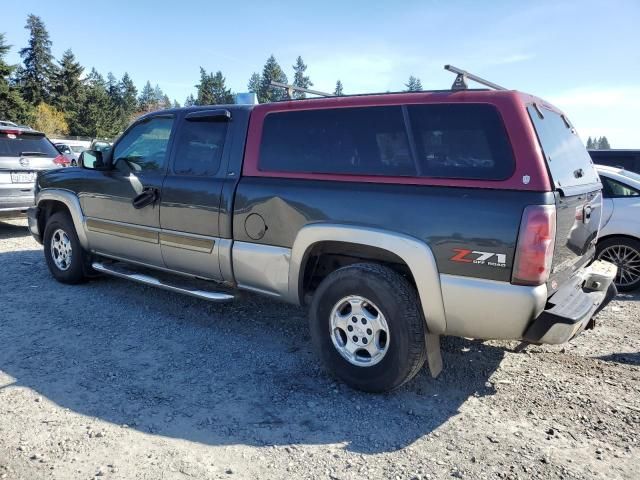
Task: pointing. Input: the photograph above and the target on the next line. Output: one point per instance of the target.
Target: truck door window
(199, 147)
(144, 146)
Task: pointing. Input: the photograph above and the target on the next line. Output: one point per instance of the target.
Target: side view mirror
(93, 160)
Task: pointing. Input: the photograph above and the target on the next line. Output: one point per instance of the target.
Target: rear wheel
(625, 254)
(367, 326)
(62, 251)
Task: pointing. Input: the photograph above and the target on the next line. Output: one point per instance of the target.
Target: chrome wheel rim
(61, 251)
(359, 331)
(627, 260)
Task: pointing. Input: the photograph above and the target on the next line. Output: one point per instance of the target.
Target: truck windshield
(567, 158)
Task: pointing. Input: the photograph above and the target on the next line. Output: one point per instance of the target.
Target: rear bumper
(570, 310)
(32, 217)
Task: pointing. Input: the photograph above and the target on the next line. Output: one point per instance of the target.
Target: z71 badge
(490, 259)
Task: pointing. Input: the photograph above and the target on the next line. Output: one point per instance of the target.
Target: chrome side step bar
(118, 270)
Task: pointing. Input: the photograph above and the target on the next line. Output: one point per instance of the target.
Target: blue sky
(583, 56)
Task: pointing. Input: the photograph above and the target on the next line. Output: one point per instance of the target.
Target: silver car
(23, 151)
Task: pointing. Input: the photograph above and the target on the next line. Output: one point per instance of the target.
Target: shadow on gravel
(13, 230)
(240, 373)
(628, 358)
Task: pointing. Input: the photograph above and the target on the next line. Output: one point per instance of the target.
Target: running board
(121, 271)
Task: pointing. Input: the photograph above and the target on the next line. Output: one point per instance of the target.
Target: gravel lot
(120, 381)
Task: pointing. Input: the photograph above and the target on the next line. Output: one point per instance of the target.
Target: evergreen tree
(414, 84)
(589, 144)
(95, 117)
(12, 106)
(300, 79)
(338, 92)
(68, 89)
(254, 83)
(204, 89)
(221, 94)
(190, 101)
(35, 78)
(271, 72)
(113, 89)
(128, 100)
(146, 101)
(176, 104)
(603, 144)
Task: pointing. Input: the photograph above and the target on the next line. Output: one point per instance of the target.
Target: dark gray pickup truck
(396, 218)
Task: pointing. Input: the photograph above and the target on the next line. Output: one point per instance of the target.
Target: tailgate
(577, 192)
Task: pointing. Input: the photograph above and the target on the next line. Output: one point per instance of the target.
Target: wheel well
(613, 235)
(48, 208)
(325, 257)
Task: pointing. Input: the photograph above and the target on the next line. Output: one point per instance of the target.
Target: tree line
(57, 97)
(598, 143)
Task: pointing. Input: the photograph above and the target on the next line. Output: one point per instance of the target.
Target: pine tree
(147, 98)
(128, 100)
(603, 144)
(68, 88)
(271, 72)
(221, 94)
(204, 89)
(95, 117)
(414, 84)
(12, 106)
(338, 91)
(35, 78)
(189, 101)
(589, 144)
(300, 79)
(254, 83)
(176, 104)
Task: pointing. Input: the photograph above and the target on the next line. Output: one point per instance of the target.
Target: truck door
(191, 196)
(121, 205)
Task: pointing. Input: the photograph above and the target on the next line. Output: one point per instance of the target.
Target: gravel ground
(115, 380)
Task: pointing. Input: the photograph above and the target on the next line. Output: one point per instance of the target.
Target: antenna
(292, 88)
(460, 83)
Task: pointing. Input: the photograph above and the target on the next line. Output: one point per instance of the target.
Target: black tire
(397, 300)
(75, 273)
(605, 251)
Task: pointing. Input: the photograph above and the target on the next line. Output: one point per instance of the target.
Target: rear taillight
(62, 161)
(536, 239)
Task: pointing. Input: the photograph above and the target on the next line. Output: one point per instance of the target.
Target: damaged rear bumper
(571, 309)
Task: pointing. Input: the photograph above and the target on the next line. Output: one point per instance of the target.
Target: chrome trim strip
(154, 282)
(73, 204)
(488, 309)
(261, 268)
(415, 253)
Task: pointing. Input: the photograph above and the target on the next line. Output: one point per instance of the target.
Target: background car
(619, 238)
(68, 152)
(23, 152)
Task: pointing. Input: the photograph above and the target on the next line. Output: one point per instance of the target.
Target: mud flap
(434, 357)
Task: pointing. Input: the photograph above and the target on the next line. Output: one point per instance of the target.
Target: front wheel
(367, 326)
(624, 252)
(62, 250)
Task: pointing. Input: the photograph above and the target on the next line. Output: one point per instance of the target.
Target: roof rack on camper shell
(460, 83)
